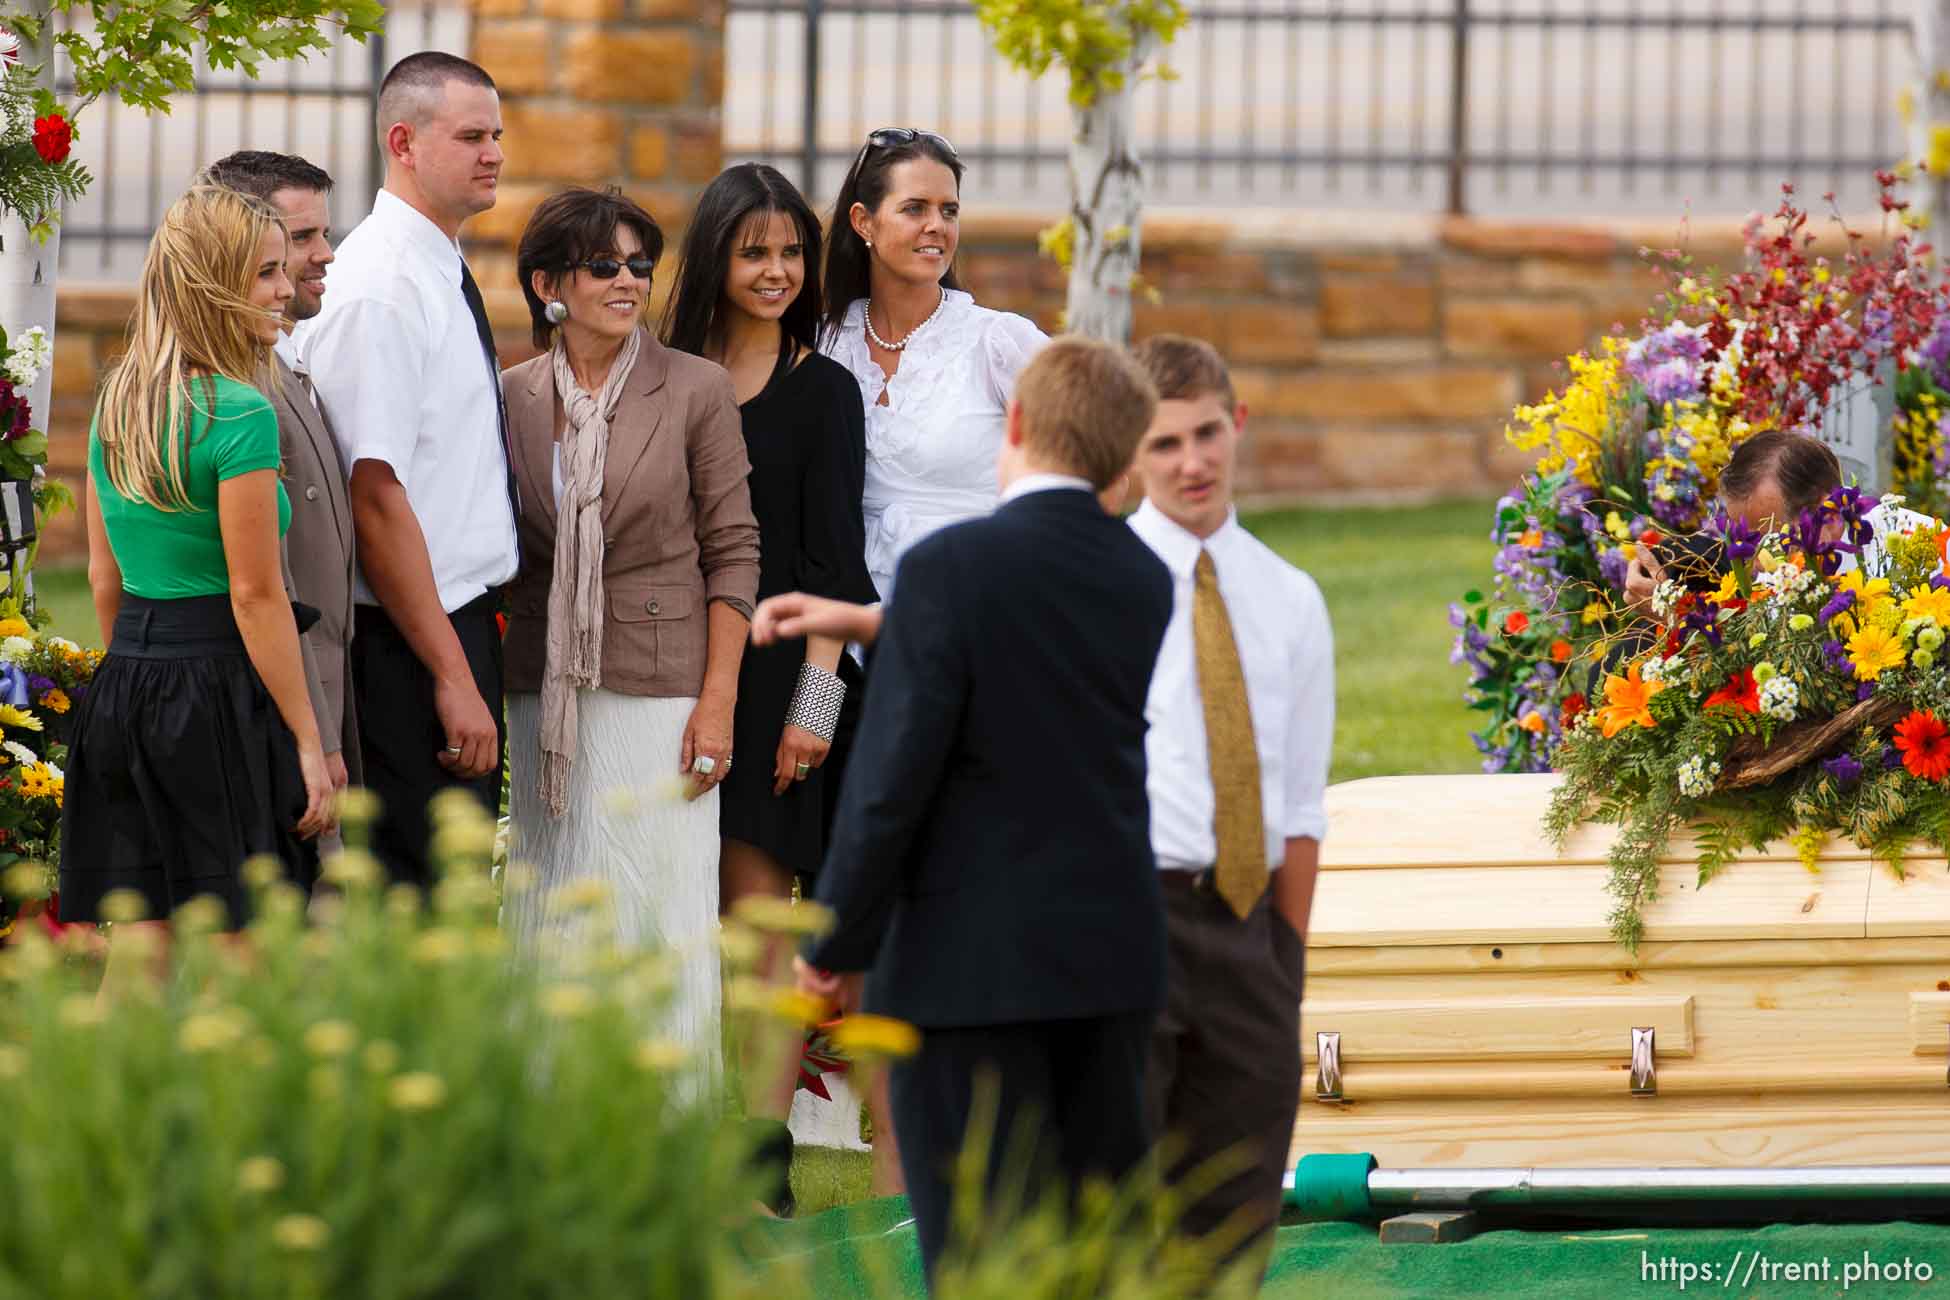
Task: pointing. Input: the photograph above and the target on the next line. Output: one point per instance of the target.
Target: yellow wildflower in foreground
(1628, 703)
(12, 715)
(864, 1037)
(301, 1232)
(417, 1091)
(260, 1174)
(1872, 650)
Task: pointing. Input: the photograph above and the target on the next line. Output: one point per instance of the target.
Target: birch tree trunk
(1929, 123)
(1106, 206)
(27, 268)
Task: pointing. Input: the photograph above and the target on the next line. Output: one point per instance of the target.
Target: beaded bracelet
(816, 702)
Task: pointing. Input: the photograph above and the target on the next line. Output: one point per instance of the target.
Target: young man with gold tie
(1241, 714)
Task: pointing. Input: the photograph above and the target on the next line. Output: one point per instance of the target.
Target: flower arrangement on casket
(1630, 452)
(1804, 697)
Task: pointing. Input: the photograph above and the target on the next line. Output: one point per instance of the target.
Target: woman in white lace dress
(935, 374)
(935, 370)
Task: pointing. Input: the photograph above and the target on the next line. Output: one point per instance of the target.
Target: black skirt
(181, 768)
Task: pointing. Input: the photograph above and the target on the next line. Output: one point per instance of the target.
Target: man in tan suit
(319, 544)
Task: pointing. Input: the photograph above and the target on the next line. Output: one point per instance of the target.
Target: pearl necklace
(896, 347)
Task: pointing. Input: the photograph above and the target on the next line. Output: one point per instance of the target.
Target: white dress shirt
(1887, 520)
(1286, 650)
(1028, 483)
(397, 363)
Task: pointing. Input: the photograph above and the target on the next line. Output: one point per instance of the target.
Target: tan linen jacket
(678, 530)
(318, 552)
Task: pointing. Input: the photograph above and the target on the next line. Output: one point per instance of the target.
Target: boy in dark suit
(990, 867)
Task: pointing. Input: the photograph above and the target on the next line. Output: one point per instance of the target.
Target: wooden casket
(1461, 977)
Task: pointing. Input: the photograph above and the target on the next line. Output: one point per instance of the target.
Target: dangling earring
(557, 312)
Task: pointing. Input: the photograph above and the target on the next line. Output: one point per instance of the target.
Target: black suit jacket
(991, 859)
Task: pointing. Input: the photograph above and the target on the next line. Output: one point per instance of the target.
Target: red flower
(1925, 744)
(1651, 537)
(1573, 705)
(53, 137)
(1741, 692)
(1560, 651)
(1517, 623)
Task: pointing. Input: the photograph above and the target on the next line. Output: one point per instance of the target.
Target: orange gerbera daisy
(1628, 703)
(1560, 651)
(1925, 745)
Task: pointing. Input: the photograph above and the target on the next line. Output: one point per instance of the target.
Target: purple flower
(39, 684)
(1836, 656)
(1844, 769)
(1839, 603)
(1891, 757)
(1864, 691)
(1740, 538)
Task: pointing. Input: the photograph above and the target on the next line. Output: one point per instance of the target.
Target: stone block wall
(1380, 358)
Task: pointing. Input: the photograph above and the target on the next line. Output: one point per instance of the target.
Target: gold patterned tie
(1230, 748)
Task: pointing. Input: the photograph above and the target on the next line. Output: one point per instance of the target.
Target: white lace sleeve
(1011, 341)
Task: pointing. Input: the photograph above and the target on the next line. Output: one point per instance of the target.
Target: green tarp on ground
(868, 1250)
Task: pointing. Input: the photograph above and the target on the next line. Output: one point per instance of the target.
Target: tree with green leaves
(144, 52)
(1105, 47)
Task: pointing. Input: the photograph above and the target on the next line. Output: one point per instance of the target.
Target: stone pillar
(596, 92)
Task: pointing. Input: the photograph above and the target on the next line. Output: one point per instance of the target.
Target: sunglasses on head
(606, 268)
(891, 137)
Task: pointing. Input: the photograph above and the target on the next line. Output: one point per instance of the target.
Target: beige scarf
(575, 592)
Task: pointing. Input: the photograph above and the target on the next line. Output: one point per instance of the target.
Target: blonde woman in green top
(195, 747)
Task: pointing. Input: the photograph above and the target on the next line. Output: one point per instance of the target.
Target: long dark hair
(737, 195)
(866, 183)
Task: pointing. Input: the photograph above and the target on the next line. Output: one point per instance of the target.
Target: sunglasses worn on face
(606, 268)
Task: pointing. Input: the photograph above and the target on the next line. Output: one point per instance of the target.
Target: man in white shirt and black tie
(403, 359)
(1241, 713)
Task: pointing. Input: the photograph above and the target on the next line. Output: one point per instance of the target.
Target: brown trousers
(1224, 1074)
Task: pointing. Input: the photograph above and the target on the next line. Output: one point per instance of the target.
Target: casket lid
(1425, 860)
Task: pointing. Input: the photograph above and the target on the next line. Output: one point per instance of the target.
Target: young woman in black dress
(747, 297)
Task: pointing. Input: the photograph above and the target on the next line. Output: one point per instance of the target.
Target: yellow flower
(55, 701)
(1628, 703)
(260, 1174)
(567, 1001)
(210, 1031)
(301, 1232)
(15, 627)
(1873, 649)
(1729, 588)
(1938, 158)
(12, 715)
(1872, 595)
(660, 1054)
(1931, 603)
(417, 1091)
(329, 1038)
(865, 1036)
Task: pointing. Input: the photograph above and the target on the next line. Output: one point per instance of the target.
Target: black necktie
(472, 292)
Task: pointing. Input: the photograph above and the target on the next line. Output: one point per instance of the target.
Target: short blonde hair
(1085, 405)
(1185, 369)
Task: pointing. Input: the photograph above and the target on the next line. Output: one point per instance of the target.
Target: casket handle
(1645, 1066)
(1327, 1084)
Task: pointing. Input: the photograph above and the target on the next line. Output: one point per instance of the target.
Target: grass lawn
(1388, 575)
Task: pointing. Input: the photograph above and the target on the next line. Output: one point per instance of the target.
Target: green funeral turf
(868, 1250)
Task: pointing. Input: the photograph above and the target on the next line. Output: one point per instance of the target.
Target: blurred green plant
(379, 1100)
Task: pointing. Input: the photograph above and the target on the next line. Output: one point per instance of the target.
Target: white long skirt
(628, 828)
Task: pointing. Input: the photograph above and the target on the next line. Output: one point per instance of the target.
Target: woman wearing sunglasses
(935, 370)
(627, 622)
